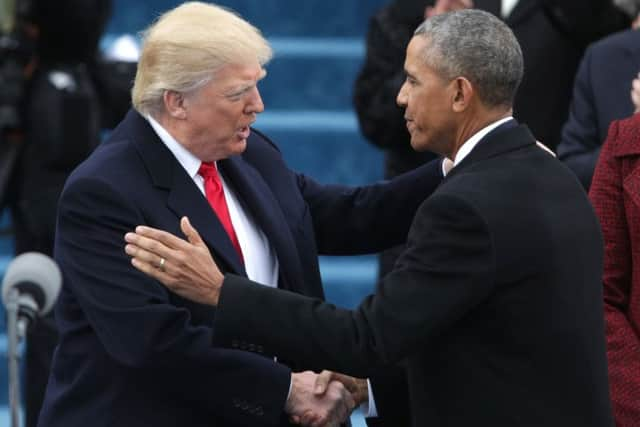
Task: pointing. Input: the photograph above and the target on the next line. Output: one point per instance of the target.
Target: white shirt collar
(188, 161)
(470, 144)
(507, 7)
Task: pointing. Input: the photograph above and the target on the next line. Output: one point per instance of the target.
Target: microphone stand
(16, 331)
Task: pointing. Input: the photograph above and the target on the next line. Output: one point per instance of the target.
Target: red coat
(615, 194)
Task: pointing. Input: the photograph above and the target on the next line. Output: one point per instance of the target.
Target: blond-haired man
(132, 353)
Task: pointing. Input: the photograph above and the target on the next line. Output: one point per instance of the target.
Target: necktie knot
(209, 173)
(214, 192)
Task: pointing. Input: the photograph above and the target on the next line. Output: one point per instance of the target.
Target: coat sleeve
(356, 220)
(135, 322)
(449, 260)
(623, 343)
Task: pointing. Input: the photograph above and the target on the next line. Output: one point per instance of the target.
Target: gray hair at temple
(630, 7)
(478, 46)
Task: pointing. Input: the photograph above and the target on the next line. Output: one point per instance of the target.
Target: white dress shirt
(260, 260)
(469, 145)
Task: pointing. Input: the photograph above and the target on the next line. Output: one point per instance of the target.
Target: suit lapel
(265, 210)
(183, 196)
(185, 199)
(505, 138)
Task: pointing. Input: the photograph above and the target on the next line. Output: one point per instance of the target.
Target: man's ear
(174, 104)
(463, 93)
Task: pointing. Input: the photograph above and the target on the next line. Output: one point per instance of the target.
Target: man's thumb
(192, 234)
(322, 382)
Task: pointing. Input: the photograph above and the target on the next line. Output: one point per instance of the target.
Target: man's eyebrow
(247, 85)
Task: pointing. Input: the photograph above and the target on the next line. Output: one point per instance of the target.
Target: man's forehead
(414, 56)
(241, 73)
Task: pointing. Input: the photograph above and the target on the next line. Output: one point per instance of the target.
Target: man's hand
(185, 267)
(358, 387)
(308, 409)
(444, 6)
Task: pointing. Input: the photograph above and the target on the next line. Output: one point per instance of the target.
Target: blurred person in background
(615, 194)
(553, 35)
(67, 102)
(601, 95)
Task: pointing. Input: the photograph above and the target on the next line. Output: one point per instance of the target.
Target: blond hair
(184, 48)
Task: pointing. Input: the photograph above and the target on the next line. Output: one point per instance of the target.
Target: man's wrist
(216, 289)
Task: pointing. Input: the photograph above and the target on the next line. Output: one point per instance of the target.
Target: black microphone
(32, 281)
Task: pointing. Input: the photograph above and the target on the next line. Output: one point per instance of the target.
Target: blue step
(319, 18)
(326, 145)
(348, 280)
(312, 73)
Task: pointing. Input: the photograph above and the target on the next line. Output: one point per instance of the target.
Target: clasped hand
(324, 400)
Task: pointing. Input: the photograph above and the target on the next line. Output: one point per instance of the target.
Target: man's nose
(401, 99)
(255, 104)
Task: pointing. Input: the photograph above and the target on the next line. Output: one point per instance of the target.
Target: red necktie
(215, 195)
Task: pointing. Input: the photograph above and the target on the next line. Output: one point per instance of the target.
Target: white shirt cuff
(369, 408)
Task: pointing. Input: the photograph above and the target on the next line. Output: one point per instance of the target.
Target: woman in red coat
(615, 194)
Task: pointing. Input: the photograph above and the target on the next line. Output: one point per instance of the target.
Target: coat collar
(507, 137)
(183, 196)
(626, 137)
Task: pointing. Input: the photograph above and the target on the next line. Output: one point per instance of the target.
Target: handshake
(325, 399)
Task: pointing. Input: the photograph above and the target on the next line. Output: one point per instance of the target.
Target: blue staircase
(319, 48)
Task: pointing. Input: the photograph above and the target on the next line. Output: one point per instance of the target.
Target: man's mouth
(244, 132)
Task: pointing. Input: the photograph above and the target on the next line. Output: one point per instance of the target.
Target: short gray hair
(476, 45)
(184, 48)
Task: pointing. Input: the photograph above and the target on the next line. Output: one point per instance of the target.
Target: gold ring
(161, 266)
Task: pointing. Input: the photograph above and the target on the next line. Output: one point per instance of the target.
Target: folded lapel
(184, 198)
(257, 197)
(507, 137)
